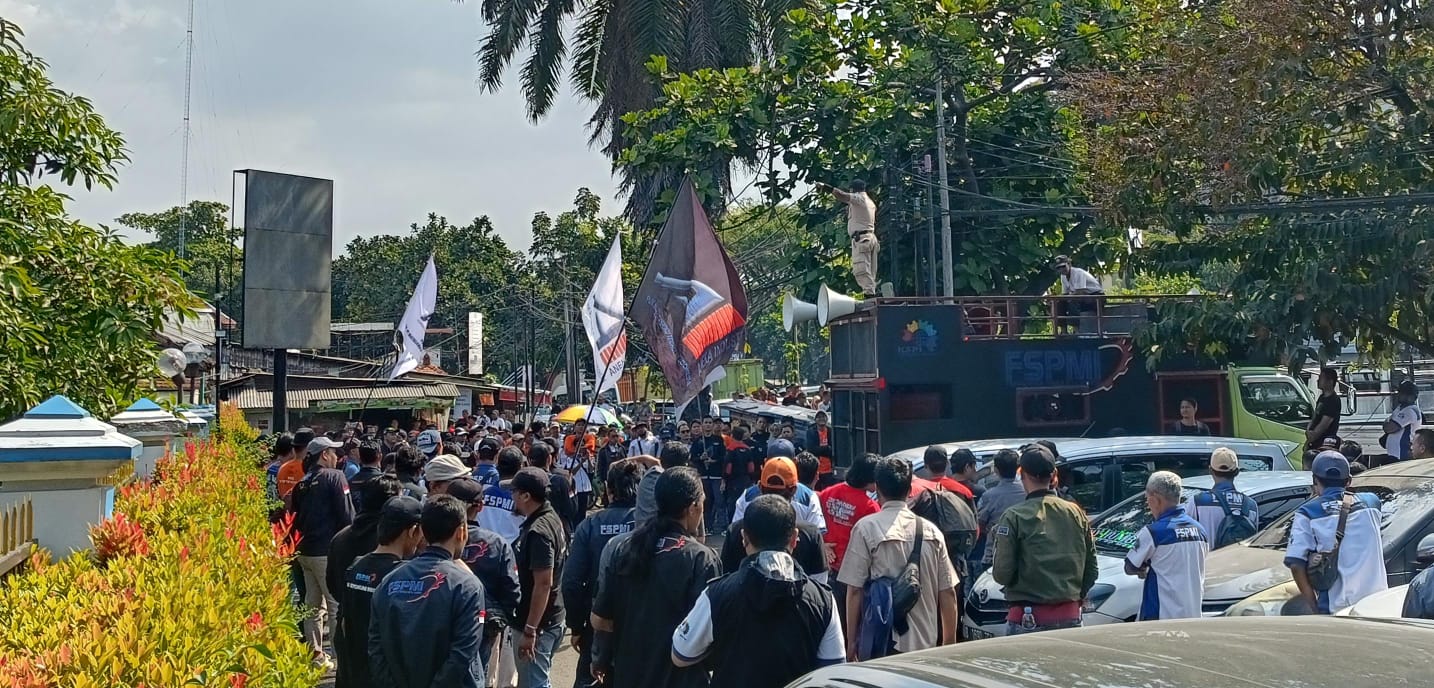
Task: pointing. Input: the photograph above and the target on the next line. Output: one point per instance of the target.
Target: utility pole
(948, 286)
(930, 228)
(575, 385)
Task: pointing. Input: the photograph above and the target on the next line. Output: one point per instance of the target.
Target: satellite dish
(172, 362)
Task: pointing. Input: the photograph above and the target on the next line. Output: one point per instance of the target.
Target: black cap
(302, 438)
(466, 490)
(489, 447)
(532, 480)
(1408, 387)
(401, 512)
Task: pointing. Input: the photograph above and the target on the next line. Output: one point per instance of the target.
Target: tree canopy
(851, 96)
(210, 243)
(80, 308)
(1289, 137)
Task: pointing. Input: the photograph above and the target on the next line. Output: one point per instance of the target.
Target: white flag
(604, 322)
(415, 321)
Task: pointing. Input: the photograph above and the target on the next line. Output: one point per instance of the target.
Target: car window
(1406, 504)
(1275, 399)
(1277, 505)
(1084, 485)
(1116, 529)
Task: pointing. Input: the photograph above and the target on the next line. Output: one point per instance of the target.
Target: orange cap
(779, 473)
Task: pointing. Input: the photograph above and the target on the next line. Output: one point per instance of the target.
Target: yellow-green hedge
(187, 585)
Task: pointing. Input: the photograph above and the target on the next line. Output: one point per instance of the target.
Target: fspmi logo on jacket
(415, 590)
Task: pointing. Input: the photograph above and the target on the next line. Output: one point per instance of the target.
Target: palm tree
(610, 47)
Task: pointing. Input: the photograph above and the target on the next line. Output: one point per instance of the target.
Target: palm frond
(544, 68)
(590, 49)
(510, 20)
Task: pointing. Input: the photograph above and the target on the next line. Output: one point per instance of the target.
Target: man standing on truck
(1075, 282)
(1403, 423)
(861, 227)
(1325, 422)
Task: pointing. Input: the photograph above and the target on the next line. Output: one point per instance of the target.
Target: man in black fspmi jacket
(428, 613)
(580, 575)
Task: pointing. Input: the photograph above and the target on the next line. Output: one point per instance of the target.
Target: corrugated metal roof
(303, 398)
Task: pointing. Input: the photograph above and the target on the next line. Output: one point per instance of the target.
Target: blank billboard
(288, 244)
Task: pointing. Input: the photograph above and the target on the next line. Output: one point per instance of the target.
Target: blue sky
(379, 95)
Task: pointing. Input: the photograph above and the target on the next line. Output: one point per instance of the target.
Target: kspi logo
(918, 338)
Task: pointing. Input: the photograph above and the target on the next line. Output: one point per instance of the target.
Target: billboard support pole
(281, 390)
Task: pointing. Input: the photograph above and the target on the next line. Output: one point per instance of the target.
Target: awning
(436, 394)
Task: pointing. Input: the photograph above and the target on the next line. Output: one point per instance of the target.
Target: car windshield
(1276, 399)
(1116, 529)
(1406, 503)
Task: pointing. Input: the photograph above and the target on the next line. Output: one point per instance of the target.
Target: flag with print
(409, 338)
(604, 322)
(690, 305)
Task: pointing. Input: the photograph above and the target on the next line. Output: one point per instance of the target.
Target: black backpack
(953, 517)
(1235, 527)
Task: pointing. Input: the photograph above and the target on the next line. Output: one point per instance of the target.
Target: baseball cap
(466, 490)
(490, 446)
(320, 443)
(779, 473)
(531, 479)
(1408, 387)
(302, 437)
(1331, 442)
(1224, 460)
(1330, 465)
(427, 442)
(1063, 260)
(443, 468)
(401, 511)
(779, 447)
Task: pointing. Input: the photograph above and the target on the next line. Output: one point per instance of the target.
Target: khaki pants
(320, 600)
(863, 261)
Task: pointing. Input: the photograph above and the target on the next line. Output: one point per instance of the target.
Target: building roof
(251, 398)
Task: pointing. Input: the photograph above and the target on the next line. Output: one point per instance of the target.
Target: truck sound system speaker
(832, 305)
(796, 311)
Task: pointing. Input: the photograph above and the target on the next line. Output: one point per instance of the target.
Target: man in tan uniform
(861, 227)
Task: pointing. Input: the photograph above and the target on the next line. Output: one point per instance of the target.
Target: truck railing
(17, 534)
(1047, 317)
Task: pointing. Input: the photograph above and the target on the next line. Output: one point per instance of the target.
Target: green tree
(1231, 133)
(611, 42)
(375, 277)
(80, 308)
(209, 244)
(850, 97)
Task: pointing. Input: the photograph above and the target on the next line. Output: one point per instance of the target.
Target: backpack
(1234, 528)
(953, 517)
(887, 602)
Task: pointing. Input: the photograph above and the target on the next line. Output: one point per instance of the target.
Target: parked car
(1250, 579)
(1099, 473)
(1303, 651)
(1116, 596)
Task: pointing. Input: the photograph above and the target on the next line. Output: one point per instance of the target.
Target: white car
(1099, 473)
(1116, 596)
(1251, 579)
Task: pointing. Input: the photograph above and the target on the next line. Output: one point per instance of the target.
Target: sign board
(288, 250)
(475, 343)
(463, 403)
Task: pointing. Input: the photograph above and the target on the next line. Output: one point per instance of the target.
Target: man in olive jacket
(1045, 553)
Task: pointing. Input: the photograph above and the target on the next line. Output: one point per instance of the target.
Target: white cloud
(378, 95)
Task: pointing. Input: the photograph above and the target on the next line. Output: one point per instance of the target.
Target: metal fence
(17, 534)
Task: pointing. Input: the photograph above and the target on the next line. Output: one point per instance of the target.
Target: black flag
(690, 305)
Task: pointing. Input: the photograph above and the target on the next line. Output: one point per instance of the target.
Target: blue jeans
(712, 489)
(1018, 629)
(533, 673)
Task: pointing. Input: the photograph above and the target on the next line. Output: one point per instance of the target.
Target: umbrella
(594, 415)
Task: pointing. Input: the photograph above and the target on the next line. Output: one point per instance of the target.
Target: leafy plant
(189, 585)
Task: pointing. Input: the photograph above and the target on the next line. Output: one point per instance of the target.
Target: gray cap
(320, 443)
(1330, 465)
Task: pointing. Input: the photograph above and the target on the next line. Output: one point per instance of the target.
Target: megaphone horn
(796, 311)
(832, 305)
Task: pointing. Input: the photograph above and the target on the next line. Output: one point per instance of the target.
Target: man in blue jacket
(426, 626)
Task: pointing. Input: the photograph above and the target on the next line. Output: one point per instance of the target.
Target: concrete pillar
(59, 456)
(158, 430)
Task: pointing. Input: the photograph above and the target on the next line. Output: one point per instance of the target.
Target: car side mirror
(1424, 551)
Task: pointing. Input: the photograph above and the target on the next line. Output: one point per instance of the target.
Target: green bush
(188, 584)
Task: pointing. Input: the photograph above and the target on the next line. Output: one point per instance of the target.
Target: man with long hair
(655, 575)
